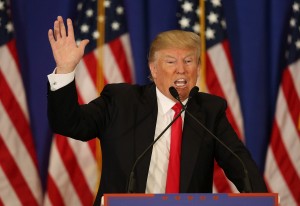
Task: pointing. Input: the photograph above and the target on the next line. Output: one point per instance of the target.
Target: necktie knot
(177, 108)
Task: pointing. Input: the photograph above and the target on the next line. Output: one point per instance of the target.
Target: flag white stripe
(295, 73)
(86, 159)
(126, 45)
(288, 131)
(85, 83)
(232, 187)
(20, 154)
(87, 162)
(62, 180)
(10, 71)
(7, 194)
(224, 74)
(276, 181)
(47, 201)
(110, 69)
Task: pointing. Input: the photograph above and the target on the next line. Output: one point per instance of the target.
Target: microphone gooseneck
(247, 185)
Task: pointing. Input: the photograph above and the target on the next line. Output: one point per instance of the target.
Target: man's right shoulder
(125, 88)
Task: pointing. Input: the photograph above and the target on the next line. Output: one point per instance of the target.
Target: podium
(199, 199)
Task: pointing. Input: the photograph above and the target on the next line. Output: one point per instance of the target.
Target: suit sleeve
(228, 162)
(82, 122)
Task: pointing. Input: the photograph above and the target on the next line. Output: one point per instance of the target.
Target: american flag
(219, 73)
(75, 167)
(19, 177)
(282, 169)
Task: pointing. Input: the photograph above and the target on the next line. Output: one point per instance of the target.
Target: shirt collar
(165, 103)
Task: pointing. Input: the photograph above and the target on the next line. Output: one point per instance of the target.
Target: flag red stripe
(290, 93)
(219, 180)
(1, 203)
(285, 164)
(54, 194)
(17, 117)
(118, 51)
(91, 66)
(215, 88)
(74, 170)
(80, 100)
(92, 145)
(15, 176)
(90, 62)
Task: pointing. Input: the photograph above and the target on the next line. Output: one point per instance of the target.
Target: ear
(153, 69)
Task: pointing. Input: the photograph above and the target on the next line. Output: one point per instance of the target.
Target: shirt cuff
(58, 81)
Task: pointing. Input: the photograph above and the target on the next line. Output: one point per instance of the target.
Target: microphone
(194, 91)
(132, 181)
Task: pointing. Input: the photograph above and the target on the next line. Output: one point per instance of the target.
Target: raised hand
(64, 48)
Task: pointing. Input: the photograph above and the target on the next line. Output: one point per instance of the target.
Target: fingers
(62, 27)
(59, 29)
(51, 36)
(56, 30)
(70, 28)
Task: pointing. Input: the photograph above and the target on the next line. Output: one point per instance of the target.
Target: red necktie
(173, 175)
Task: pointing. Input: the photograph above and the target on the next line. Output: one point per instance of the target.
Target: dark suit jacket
(124, 118)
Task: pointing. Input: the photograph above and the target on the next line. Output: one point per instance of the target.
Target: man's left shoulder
(209, 102)
(210, 98)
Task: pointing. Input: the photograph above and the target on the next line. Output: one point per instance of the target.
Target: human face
(175, 67)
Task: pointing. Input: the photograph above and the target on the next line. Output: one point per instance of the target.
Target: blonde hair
(174, 39)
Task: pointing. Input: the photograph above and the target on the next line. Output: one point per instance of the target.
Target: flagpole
(202, 72)
(100, 44)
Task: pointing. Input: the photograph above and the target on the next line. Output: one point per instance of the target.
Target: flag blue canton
(188, 15)
(115, 20)
(293, 38)
(188, 19)
(85, 26)
(87, 18)
(6, 26)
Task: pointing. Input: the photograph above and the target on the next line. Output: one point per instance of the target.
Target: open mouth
(180, 82)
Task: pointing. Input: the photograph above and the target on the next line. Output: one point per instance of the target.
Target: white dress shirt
(158, 169)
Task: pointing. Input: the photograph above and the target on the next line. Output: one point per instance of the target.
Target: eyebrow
(169, 56)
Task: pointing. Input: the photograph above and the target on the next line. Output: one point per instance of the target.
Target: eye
(188, 61)
(170, 61)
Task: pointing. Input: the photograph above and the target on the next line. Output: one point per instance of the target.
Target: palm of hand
(65, 50)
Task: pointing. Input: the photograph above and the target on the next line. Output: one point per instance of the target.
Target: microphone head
(174, 92)
(193, 91)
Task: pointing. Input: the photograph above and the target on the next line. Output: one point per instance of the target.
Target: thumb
(83, 44)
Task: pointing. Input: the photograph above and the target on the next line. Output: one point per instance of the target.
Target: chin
(183, 93)
(183, 96)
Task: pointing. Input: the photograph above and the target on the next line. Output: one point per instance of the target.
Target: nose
(180, 68)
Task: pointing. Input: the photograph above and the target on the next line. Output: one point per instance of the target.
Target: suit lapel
(146, 112)
(191, 144)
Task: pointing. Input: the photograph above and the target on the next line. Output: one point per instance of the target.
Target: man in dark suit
(127, 119)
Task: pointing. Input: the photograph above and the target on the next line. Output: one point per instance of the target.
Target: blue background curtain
(256, 31)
